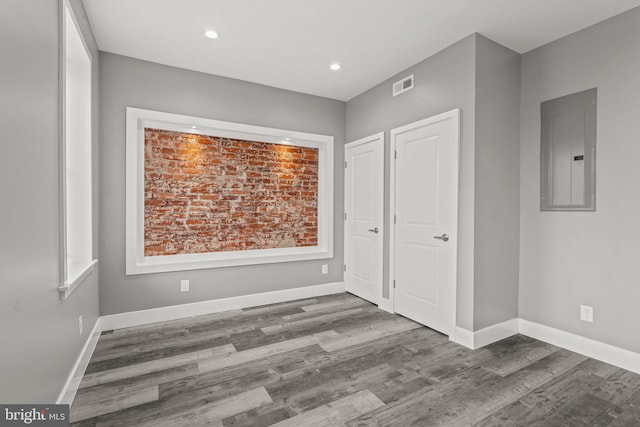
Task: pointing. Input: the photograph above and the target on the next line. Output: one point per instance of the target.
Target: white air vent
(403, 85)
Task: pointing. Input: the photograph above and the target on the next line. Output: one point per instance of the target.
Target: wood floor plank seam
(310, 321)
(237, 358)
(138, 369)
(126, 399)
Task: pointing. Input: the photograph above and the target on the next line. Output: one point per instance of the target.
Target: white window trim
(137, 263)
(67, 287)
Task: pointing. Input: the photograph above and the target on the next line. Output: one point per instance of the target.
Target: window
(205, 193)
(75, 155)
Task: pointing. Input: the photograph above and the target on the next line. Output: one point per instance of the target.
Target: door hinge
(345, 164)
(394, 284)
(344, 267)
(345, 216)
(395, 154)
(395, 220)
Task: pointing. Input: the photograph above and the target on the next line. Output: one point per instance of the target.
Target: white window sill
(162, 264)
(67, 289)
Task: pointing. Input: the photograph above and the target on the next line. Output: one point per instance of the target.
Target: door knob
(374, 230)
(444, 237)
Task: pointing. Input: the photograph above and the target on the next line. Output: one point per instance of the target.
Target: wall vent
(403, 85)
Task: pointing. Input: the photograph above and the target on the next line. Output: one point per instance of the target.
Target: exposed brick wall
(211, 194)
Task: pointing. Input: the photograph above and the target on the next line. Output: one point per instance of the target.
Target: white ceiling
(290, 43)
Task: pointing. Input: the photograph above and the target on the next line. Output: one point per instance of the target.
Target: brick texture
(211, 194)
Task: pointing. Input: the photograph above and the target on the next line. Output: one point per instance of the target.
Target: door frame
(453, 115)
(377, 138)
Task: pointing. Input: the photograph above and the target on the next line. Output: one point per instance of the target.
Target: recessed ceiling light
(335, 66)
(193, 127)
(211, 34)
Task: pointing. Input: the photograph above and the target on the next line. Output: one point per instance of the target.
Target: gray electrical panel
(568, 152)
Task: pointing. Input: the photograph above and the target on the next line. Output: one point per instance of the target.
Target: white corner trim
(173, 312)
(386, 304)
(598, 350)
(463, 337)
(496, 332)
(70, 388)
(486, 336)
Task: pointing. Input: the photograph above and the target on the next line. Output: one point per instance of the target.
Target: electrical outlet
(184, 286)
(80, 325)
(325, 269)
(586, 313)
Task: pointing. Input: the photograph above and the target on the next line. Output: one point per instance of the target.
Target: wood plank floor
(339, 361)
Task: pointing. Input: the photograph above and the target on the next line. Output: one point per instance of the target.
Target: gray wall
(497, 183)
(443, 82)
(40, 341)
(593, 258)
(482, 78)
(131, 82)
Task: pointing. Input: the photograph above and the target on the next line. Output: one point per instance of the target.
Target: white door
(424, 185)
(364, 210)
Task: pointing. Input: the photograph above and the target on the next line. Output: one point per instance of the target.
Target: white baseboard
(495, 333)
(386, 305)
(70, 388)
(463, 337)
(595, 349)
(486, 336)
(174, 312)
(598, 350)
